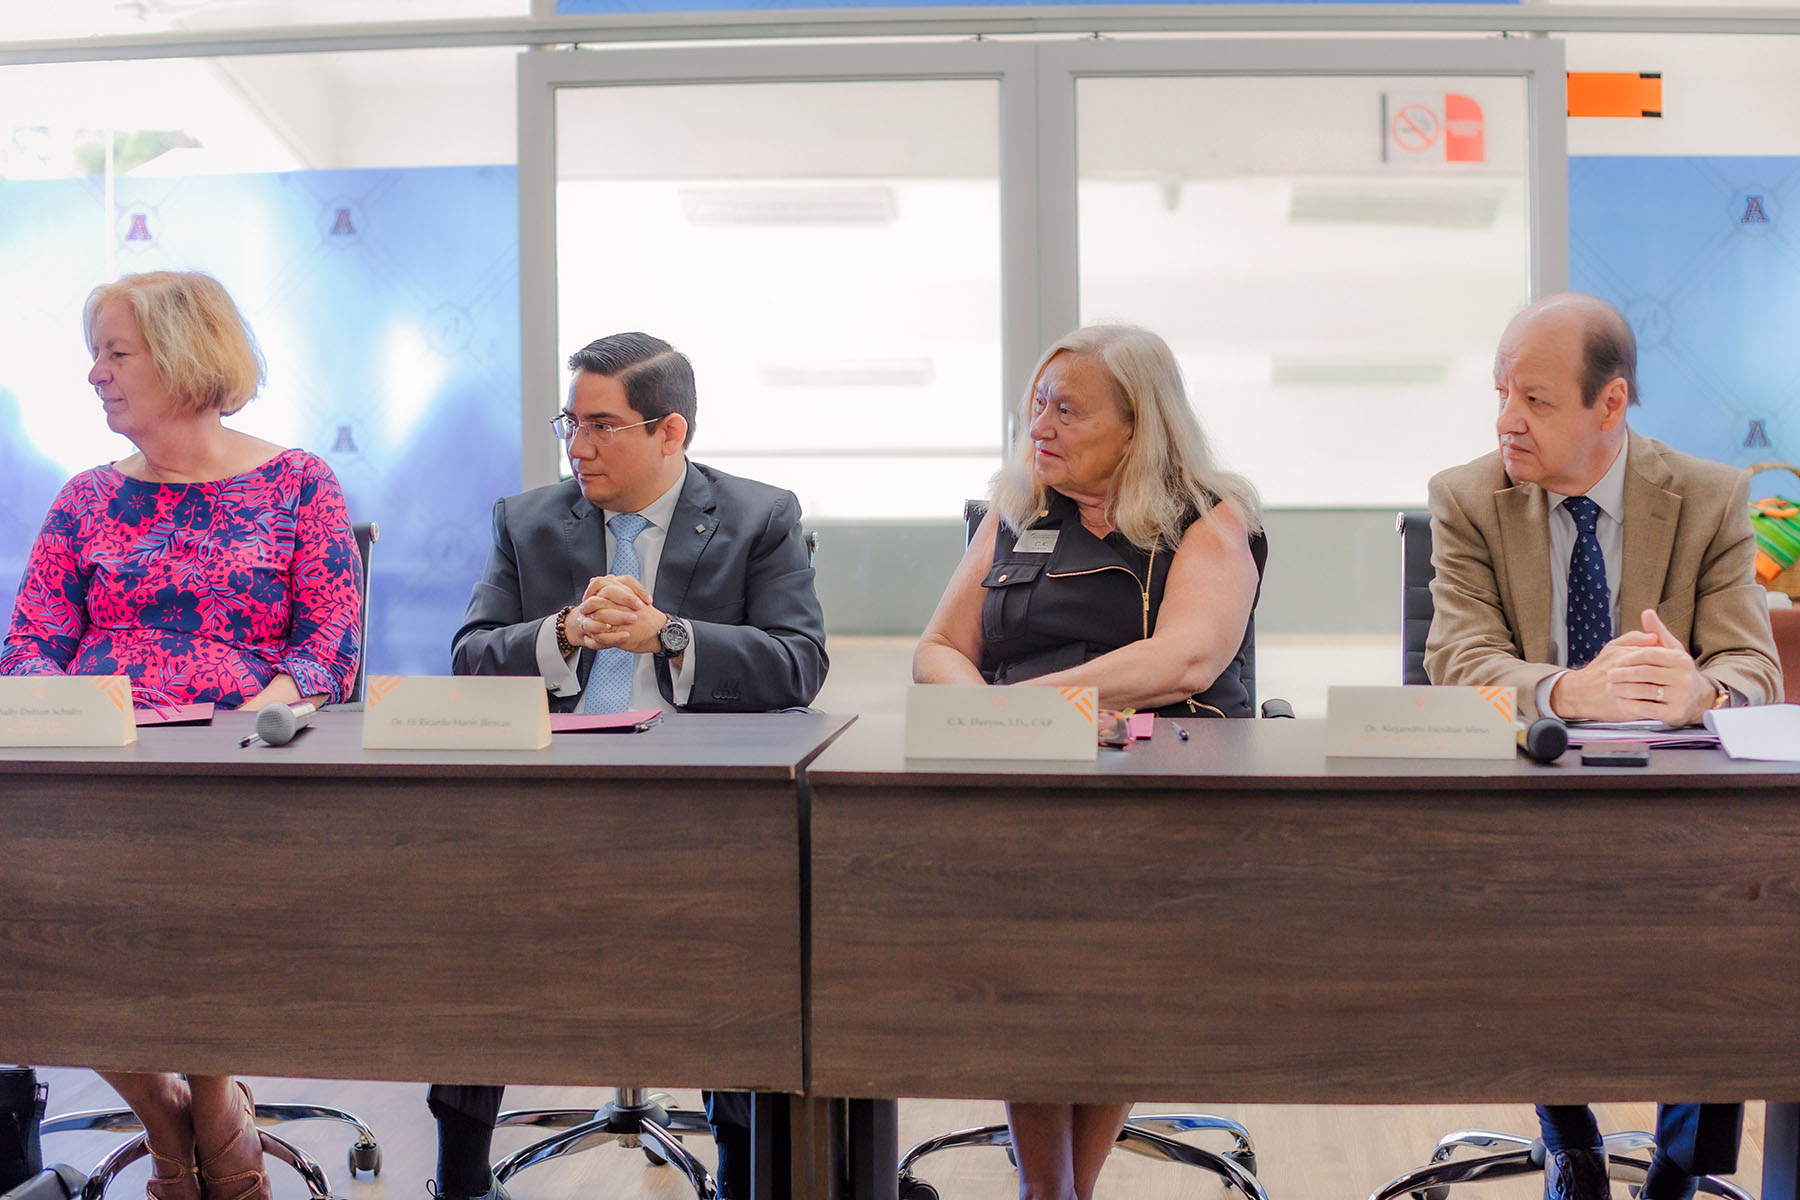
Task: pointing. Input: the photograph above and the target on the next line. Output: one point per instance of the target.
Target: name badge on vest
(1036, 541)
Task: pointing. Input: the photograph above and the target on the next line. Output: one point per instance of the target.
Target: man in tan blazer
(1692, 626)
(1606, 577)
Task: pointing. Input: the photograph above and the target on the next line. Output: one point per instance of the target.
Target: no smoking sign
(1414, 128)
(1430, 128)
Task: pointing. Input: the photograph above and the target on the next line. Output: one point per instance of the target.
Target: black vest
(1050, 611)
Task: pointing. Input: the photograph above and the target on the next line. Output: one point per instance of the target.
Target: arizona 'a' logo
(1758, 436)
(342, 225)
(1754, 211)
(139, 230)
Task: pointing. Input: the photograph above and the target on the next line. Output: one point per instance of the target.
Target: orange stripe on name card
(381, 685)
(1615, 94)
(118, 690)
(1082, 698)
(1502, 698)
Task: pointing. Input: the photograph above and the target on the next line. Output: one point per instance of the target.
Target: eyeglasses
(566, 427)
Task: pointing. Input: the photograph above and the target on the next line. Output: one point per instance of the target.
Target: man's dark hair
(1610, 353)
(658, 379)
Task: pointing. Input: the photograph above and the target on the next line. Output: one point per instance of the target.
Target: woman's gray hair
(1168, 469)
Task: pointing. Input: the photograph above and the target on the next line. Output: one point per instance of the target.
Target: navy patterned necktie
(609, 678)
(1590, 605)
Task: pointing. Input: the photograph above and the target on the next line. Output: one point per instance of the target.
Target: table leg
(771, 1150)
(870, 1136)
(1781, 1151)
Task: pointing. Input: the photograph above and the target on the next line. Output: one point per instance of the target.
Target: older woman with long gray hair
(1117, 554)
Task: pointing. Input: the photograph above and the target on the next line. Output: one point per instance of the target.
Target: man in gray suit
(729, 622)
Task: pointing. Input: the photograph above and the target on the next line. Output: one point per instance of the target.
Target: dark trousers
(727, 1112)
(21, 1111)
(1695, 1139)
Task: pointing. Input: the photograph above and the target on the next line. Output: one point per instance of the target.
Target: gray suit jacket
(734, 566)
(1689, 554)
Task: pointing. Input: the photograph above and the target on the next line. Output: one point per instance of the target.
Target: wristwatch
(563, 646)
(1723, 699)
(674, 638)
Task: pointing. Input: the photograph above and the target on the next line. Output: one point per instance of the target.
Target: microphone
(1544, 740)
(276, 724)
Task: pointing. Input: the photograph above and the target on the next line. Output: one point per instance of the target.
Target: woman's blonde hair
(202, 349)
(1168, 469)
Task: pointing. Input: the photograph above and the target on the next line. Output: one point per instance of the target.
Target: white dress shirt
(559, 672)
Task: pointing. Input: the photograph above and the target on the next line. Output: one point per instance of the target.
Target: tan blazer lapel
(1523, 576)
(1650, 515)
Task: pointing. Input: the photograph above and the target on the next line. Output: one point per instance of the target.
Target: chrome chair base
(364, 1153)
(634, 1119)
(273, 1147)
(1147, 1134)
(1513, 1155)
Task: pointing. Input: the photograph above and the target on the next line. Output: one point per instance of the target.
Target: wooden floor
(1306, 1153)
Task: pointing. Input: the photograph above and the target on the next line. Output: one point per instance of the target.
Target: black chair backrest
(367, 534)
(1415, 593)
(975, 510)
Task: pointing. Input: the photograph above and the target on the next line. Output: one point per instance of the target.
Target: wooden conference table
(618, 908)
(1240, 917)
(1234, 915)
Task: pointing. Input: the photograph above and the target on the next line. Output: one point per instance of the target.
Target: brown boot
(172, 1179)
(235, 1170)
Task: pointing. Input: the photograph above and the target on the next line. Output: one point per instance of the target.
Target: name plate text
(1017, 722)
(66, 710)
(1420, 722)
(456, 712)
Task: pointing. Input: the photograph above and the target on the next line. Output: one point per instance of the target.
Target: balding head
(1608, 347)
(1563, 375)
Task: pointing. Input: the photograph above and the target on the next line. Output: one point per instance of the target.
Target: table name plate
(66, 710)
(456, 712)
(1022, 721)
(1420, 722)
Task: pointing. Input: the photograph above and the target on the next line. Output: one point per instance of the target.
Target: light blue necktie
(1590, 604)
(609, 679)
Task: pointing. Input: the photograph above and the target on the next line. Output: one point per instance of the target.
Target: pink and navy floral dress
(197, 591)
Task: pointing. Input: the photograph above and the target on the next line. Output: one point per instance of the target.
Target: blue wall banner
(1699, 256)
(387, 306)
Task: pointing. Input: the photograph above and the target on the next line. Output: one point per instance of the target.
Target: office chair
(1508, 1154)
(1148, 1134)
(1416, 574)
(364, 1154)
(367, 533)
(634, 1118)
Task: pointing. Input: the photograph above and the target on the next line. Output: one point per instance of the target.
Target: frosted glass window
(827, 254)
(1331, 258)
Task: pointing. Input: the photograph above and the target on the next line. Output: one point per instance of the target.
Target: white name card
(456, 712)
(66, 710)
(1420, 722)
(1022, 721)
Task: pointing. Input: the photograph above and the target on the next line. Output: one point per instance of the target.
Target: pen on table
(1179, 731)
